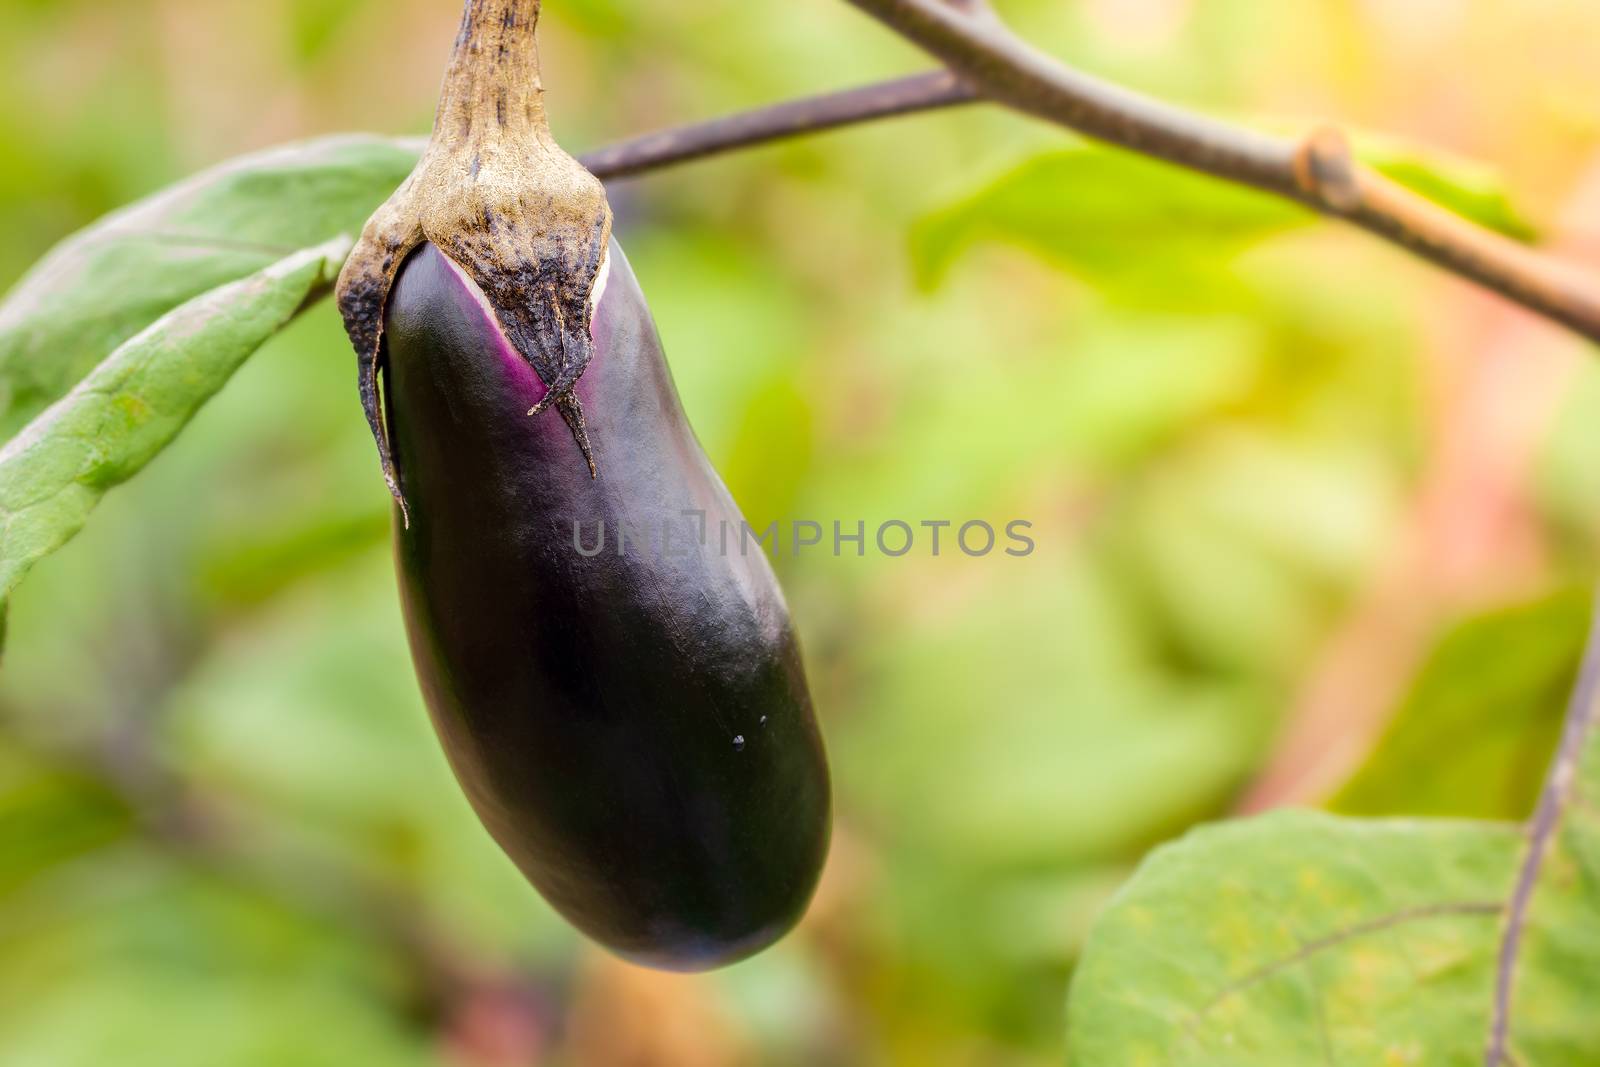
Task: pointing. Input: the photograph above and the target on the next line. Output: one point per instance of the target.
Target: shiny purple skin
(634, 730)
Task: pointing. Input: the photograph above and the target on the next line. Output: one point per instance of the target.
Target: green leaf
(1491, 695)
(105, 284)
(118, 418)
(1299, 938)
(1471, 191)
(1132, 227)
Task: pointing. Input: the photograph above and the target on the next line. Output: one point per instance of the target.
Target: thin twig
(1558, 790)
(903, 96)
(1318, 171)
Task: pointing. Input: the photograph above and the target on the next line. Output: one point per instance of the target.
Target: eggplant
(625, 709)
(630, 721)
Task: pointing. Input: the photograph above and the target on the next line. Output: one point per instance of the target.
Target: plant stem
(1554, 798)
(494, 70)
(794, 118)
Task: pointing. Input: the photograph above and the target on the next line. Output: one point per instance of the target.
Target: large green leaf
(119, 417)
(103, 285)
(1299, 938)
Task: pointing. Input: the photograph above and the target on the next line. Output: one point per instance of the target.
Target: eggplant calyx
(496, 194)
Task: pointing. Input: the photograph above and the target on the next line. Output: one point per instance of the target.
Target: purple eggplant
(615, 682)
(630, 720)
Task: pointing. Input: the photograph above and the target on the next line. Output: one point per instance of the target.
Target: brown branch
(903, 96)
(1319, 171)
(1559, 787)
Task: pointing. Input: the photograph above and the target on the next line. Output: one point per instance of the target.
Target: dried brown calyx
(498, 196)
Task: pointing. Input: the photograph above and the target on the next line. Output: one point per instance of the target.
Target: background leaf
(1121, 223)
(191, 969)
(118, 418)
(1469, 190)
(1138, 230)
(1491, 696)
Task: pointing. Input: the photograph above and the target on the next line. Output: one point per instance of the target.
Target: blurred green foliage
(1493, 696)
(226, 834)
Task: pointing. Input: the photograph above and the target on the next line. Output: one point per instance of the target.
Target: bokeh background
(1314, 525)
